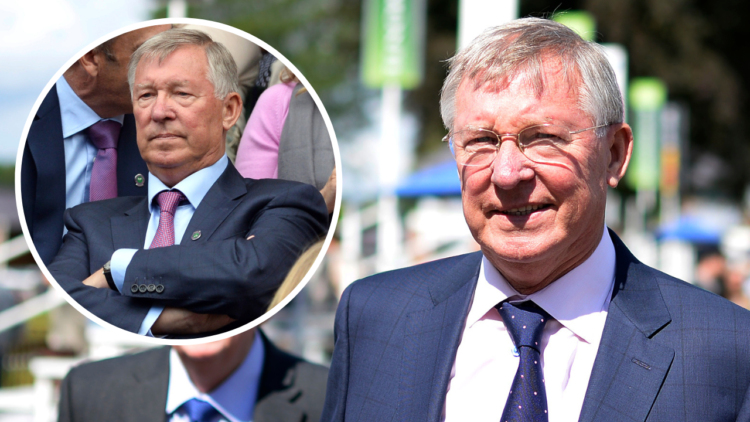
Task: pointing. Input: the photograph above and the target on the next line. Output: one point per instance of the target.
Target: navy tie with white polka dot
(527, 400)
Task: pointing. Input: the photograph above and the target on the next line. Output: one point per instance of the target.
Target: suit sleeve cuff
(119, 265)
(148, 322)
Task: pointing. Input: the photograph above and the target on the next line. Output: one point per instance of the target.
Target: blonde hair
(297, 272)
(286, 76)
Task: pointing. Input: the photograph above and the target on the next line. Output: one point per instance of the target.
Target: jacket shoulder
(417, 279)
(109, 370)
(703, 305)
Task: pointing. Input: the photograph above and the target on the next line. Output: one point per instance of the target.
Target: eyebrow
(172, 84)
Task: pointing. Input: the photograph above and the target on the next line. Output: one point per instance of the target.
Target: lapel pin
(251, 236)
(196, 235)
(139, 180)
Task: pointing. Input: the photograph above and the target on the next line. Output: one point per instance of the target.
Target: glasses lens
(474, 147)
(544, 142)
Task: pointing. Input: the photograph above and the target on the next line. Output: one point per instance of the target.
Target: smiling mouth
(528, 209)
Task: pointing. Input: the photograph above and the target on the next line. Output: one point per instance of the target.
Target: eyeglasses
(539, 143)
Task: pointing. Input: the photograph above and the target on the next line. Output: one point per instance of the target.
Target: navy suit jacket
(134, 388)
(219, 272)
(669, 351)
(43, 174)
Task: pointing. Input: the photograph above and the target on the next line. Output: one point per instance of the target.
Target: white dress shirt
(485, 363)
(234, 398)
(76, 117)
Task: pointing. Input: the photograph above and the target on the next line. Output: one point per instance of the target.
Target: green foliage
(7, 175)
(320, 37)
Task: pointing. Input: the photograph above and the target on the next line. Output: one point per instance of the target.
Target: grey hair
(518, 48)
(222, 70)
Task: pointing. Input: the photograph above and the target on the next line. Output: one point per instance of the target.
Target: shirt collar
(234, 398)
(75, 114)
(575, 300)
(194, 187)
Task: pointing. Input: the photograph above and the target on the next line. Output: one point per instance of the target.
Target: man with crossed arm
(207, 249)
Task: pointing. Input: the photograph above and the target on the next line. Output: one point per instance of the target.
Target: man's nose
(162, 108)
(510, 166)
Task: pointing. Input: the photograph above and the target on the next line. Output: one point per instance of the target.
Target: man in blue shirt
(59, 155)
(206, 248)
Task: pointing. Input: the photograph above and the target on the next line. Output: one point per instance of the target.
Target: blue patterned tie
(527, 400)
(200, 411)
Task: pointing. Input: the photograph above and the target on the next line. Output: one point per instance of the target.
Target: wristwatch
(107, 270)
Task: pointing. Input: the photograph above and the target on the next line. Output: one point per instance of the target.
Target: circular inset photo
(178, 181)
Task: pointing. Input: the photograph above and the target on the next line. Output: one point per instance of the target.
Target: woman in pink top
(258, 153)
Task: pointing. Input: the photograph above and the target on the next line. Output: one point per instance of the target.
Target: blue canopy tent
(438, 180)
(690, 229)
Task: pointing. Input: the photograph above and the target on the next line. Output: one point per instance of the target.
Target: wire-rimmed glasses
(539, 143)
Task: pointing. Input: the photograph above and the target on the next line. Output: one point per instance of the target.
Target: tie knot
(525, 322)
(199, 410)
(104, 134)
(168, 200)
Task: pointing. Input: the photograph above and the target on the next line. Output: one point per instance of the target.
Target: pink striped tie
(103, 135)
(168, 201)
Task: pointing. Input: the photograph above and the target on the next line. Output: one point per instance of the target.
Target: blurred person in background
(241, 378)
(207, 249)
(286, 138)
(732, 282)
(555, 319)
(710, 269)
(86, 114)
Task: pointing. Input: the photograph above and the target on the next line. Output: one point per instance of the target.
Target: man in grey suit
(554, 320)
(241, 378)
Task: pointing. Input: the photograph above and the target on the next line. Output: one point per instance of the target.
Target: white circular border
(331, 229)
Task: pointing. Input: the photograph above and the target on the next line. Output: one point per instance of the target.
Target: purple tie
(168, 201)
(104, 135)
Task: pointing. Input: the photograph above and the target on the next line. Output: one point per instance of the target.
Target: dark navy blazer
(218, 272)
(43, 174)
(669, 351)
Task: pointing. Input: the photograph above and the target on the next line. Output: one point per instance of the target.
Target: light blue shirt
(194, 187)
(234, 398)
(79, 150)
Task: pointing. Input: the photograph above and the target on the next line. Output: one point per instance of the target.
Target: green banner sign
(647, 97)
(393, 35)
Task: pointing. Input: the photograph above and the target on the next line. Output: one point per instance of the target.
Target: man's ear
(620, 151)
(91, 62)
(231, 110)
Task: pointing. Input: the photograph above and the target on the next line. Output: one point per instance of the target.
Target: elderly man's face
(567, 199)
(180, 123)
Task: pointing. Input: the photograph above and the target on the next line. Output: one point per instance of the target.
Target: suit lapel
(218, 203)
(129, 229)
(630, 367)
(145, 389)
(129, 161)
(45, 143)
(431, 339)
(279, 389)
